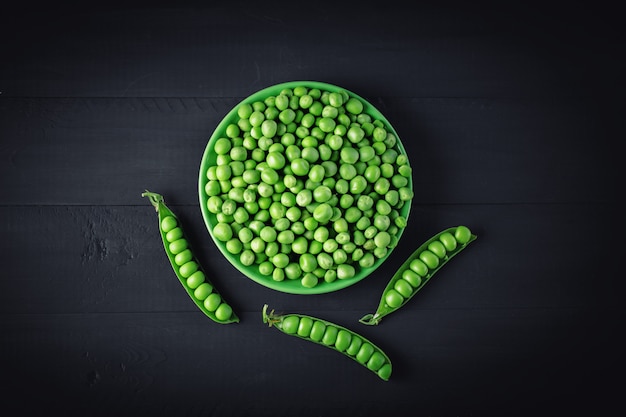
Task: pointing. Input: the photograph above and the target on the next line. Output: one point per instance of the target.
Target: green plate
(209, 159)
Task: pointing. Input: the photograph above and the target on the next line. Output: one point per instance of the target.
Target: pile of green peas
(307, 186)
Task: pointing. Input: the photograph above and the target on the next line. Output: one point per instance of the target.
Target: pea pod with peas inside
(186, 266)
(418, 269)
(334, 337)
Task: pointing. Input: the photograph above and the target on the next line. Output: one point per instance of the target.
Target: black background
(512, 117)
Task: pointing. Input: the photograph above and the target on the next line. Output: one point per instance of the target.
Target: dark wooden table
(511, 118)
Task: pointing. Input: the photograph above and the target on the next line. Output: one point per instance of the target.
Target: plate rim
(292, 286)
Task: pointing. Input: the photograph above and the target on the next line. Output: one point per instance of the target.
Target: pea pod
(186, 266)
(334, 337)
(418, 269)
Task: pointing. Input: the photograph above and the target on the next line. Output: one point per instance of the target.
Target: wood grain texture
(107, 151)
(225, 49)
(111, 259)
(173, 363)
(511, 115)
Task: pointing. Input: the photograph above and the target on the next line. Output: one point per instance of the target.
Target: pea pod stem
(333, 336)
(155, 199)
(384, 307)
(189, 271)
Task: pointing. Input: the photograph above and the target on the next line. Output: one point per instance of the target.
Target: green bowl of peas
(305, 187)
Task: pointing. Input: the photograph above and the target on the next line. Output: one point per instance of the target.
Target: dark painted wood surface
(511, 116)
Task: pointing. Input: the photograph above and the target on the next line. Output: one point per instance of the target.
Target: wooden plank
(232, 49)
(107, 151)
(491, 361)
(94, 259)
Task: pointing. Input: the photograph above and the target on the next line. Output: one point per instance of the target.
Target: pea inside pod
(186, 266)
(332, 336)
(418, 269)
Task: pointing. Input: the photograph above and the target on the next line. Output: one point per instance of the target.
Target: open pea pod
(187, 267)
(418, 269)
(333, 336)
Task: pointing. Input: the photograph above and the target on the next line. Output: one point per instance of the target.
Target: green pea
(285, 236)
(307, 262)
(297, 227)
(305, 326)
(247, 257)
(266, 268)
(327, 124)
(437, 248)
(187, 269)
(310, 154)
(223, 232)
(223, 312)
(244, 110)
(355, 345)
(268, 234)
(304, 197)
(345, 271)
(429, 258)
(203, 291)
(385, 371)
(343, 340)
(178, 246)
(330, 275)
(462, 234)
(354, 106)
(300, 166)
(268, 128)
(293, 271)
(323, 213)
(278, 274)
(222, 146)
(367, 260)
(393, 298)
(342, 186)
(335, 142)
(412, 278)
(257, 245)
(340, 257)
(300, 245)
(212, 302)
(376, 361)
(330, 335)
(358, 184)
(330, 245)
(280, 260)
(168, 223)
(382, 239)
(419, 267)
(349, 155)
(403, 288)
(449, 242)
(241, 215)
(195, 280)
(316, 173)
(317, 331)
(322, 194)
(174, 234)
(364, 353)
(382, 222)
(290, 324)
(183, 257)
(405, 194)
